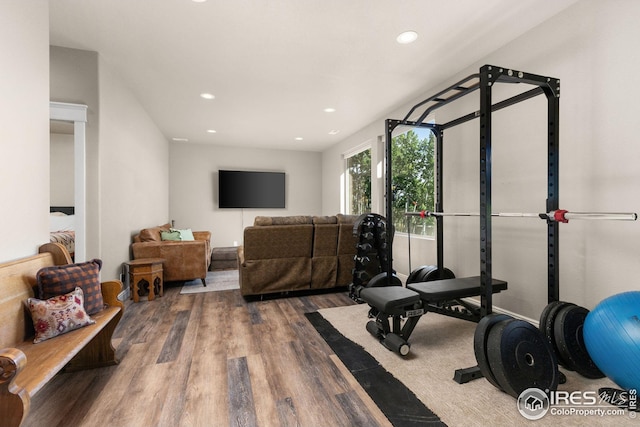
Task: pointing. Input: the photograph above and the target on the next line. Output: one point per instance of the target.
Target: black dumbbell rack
(371, 255)
(483, 82)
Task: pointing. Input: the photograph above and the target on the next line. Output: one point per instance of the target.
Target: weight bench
(409, 304)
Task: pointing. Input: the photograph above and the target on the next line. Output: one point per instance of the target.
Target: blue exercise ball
(611, 334)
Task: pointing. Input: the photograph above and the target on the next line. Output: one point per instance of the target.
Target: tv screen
(243, 189)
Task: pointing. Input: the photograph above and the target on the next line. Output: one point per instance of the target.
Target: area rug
(219, 280)
(439, 346)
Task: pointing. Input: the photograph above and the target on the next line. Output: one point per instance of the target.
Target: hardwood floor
(213, 359)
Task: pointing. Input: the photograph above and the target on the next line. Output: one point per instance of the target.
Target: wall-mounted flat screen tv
(246, 189)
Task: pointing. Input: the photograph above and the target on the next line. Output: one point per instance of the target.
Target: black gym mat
(399, 404)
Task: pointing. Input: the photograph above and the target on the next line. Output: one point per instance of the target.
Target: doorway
(69, 118)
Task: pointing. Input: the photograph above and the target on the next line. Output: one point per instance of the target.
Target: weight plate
(415, 273)
(547, 329)
(380, 279)
(434, 275)
(570, 342)
(480, 344)
(520, 357)
(545, 314)
(544, 317)
(395, 280)
(412, 276)
(425, 272)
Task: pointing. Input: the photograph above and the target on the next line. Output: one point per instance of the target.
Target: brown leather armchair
(184, 260)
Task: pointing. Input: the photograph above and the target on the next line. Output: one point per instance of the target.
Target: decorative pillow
(62, 279)
(170, 235)
(58, 315)
(153, 234)
(185, 234)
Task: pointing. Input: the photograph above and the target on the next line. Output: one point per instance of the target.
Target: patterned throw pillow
(58, 315)
(62, 279)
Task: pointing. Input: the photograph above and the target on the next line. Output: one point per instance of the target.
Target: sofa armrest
(202, 235)
(110, 291)
(183, 260)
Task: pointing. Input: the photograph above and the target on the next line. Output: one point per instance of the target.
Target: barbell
(559, 215)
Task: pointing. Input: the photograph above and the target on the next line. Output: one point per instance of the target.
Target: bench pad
(389, 299)
(449, 289)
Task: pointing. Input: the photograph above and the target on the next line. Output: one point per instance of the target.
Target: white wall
(24, 134)
(193, 190)
(134, 171)
(591, 48)
(127, 156)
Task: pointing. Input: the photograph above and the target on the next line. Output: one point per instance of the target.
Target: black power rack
(484, 82)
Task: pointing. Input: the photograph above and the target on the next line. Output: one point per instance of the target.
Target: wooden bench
(26, 367)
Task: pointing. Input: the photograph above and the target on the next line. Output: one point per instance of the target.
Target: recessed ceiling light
(407, 37)
(180, 139)
(334, 132)
(207, 96)
(299, 138)
(329, 110)
(211, 131)
(198, 1)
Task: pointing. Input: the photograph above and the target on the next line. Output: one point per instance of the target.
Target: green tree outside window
(413, 180)
(359, 191)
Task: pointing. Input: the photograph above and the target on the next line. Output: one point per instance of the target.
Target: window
(358, 182)
(413, 180)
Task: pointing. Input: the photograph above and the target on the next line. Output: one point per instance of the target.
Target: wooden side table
(146, 273)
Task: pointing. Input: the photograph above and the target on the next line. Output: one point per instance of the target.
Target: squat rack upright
(484, 81)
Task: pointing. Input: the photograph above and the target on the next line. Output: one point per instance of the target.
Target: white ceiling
(275, 65)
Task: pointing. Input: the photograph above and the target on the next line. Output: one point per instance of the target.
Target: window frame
(347, 193)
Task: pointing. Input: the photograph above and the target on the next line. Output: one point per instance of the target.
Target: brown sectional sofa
(184, 260)
(292, 253)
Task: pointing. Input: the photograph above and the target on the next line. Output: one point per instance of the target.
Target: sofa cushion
(278, 241)
(153, 234)
(325, 220)
(347, 219)
(347, 241)
(282, 220)
(325, 240)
